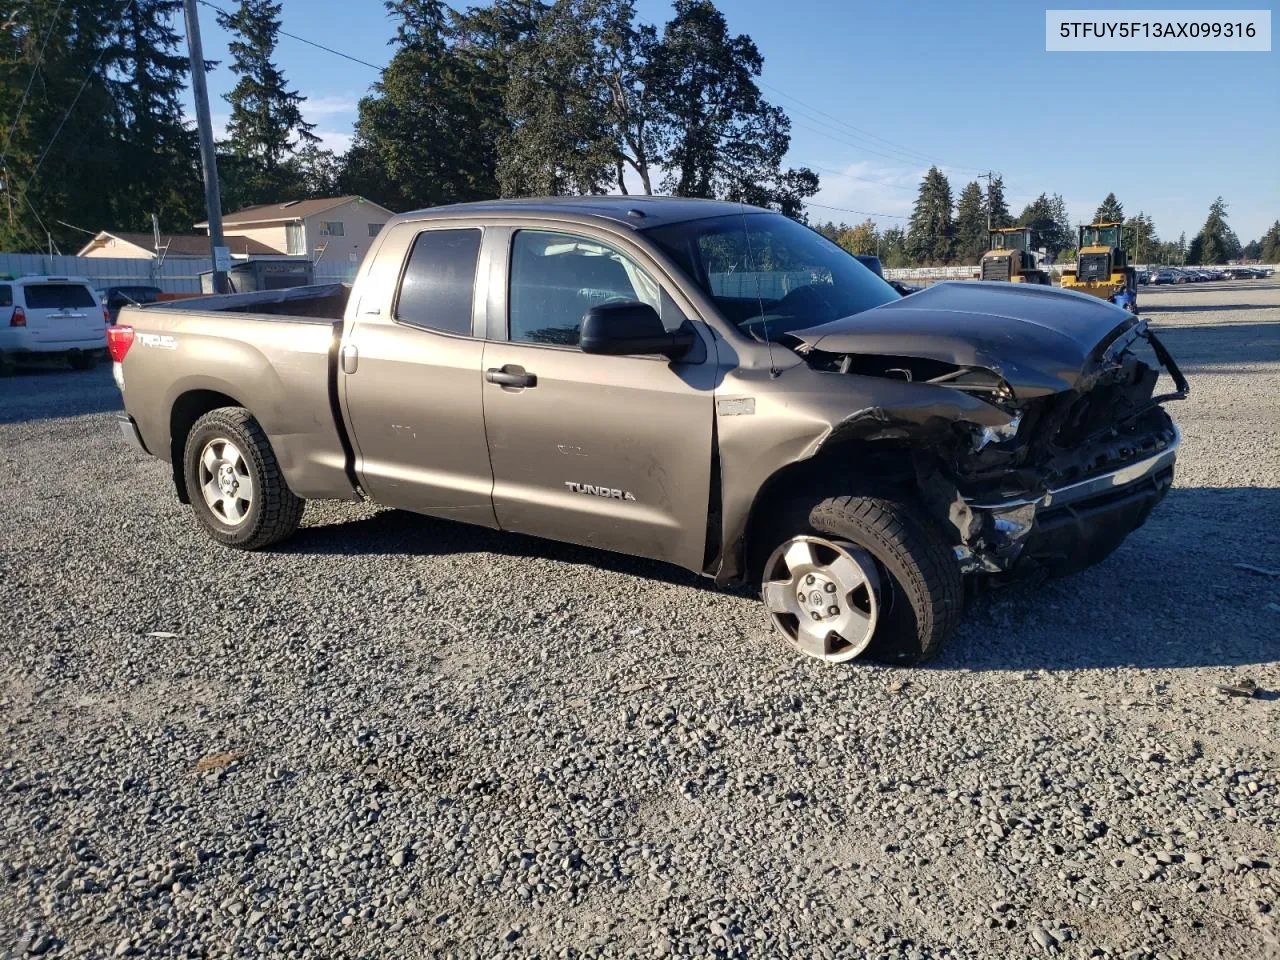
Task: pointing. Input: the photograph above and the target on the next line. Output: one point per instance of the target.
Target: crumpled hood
(1038, 339)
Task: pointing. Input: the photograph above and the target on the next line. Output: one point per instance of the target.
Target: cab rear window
(57, 296)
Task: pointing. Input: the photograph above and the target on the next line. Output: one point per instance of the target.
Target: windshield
(770, 275)
(1099, 237)
(1009, 241)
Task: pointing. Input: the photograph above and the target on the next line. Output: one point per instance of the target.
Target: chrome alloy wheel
(225, 481)
(823, 596)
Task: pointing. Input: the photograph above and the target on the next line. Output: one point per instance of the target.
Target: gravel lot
(398, 736)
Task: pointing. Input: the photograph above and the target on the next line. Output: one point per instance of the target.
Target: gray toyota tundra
(702, 383)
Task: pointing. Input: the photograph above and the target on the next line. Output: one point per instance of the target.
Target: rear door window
(439, 281)
(58, 296)
(6, 295)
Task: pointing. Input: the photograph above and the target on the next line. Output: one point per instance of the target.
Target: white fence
(171, 276)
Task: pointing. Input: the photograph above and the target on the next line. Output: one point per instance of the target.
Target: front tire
(897, 587)
(237, 491)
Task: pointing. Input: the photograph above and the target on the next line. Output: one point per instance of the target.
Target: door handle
(511, 376)
(350, 358)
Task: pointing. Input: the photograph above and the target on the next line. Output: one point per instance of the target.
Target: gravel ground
(398, 736)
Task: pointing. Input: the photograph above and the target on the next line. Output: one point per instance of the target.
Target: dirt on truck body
(701, 383)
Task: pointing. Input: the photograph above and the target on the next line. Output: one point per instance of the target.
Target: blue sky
(877, 91)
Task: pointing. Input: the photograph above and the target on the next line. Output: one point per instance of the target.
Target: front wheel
(237, 491)
(868, 575)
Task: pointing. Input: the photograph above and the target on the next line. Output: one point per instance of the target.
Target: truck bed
(273, 352)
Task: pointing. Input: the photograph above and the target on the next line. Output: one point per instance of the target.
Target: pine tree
(1109, 211)
(893, 248)
(56, 163)
(1140, 238)
(971, 224)
(266, 126)
(1216, 242)
(1047, 218)
(996, 206)
(930, 237)
(1269, 247)
(159, 170)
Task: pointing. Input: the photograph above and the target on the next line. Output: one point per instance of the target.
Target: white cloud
(327, 105)
(336, 140)
(865, 186)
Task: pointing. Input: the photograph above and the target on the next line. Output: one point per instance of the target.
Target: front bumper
(1072, 527)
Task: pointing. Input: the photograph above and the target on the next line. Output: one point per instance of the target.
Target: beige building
(333, 229)
(142, 246)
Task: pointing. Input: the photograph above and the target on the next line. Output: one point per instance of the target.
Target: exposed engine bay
(1061, 455)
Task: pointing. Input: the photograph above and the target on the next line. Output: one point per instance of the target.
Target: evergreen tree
(1047, 218)
(893, 248)
(1269, 246)
(996, 206)
(53, 168)
(428, 133)
(1216, 242)
(931, 235)
(1109, 211)
(1140, 238)
(159, 168)
(719, 137)
(971, 224)
(266, 126)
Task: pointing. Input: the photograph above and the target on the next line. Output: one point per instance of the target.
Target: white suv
(51, 317)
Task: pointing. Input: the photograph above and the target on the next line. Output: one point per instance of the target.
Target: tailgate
(59, 313)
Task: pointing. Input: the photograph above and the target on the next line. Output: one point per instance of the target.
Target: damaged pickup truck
(701, 383)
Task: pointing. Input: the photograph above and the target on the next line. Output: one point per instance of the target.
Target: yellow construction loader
(1011, 258)
(1102, 266)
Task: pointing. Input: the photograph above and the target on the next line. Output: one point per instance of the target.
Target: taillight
(119, 340)
(106, 316)
(19, 318)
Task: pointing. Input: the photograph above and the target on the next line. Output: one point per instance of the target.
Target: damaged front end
(1083, 454)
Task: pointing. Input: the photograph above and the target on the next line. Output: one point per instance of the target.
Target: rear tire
(920, 596)
(237, 491)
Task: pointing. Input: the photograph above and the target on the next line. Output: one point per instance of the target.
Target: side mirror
(630, 328)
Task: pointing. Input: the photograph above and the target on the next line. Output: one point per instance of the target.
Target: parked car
(628, 374)
(1144, 277)
(130, 294)
(873, 264)
(51, 318)
(1161, 277)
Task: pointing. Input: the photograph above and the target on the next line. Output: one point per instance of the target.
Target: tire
(920, 596)
(237, 492)
(83, 361)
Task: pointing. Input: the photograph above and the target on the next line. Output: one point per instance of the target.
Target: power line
(850, 176)
(866, 133)
(294, 36)
(92, 70)
(30, 80)
(861, 213)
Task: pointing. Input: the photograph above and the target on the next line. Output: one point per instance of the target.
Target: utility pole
(988, 176)
(208, 159)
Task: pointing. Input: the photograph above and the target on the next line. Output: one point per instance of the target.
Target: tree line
(943, 232)
(502, 99)
(508, 98)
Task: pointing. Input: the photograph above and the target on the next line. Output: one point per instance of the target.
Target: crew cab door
(409, 372)
(606, 451)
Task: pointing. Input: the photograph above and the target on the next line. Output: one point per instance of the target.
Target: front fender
(800, 413)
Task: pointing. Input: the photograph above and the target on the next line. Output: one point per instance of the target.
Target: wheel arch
(187, 408)
(836, 468)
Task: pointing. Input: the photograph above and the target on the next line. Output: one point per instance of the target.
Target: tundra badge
(591, 490)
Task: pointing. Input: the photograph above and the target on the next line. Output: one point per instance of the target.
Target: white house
(331, 229)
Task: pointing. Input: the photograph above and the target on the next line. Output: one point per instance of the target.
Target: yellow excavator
(1102, 266)
(1010, 257)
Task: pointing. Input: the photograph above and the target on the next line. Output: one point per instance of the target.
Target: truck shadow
(1171, 597)
(48, 392)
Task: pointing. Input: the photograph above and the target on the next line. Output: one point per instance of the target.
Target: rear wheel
(234, 482)
(866, 575)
